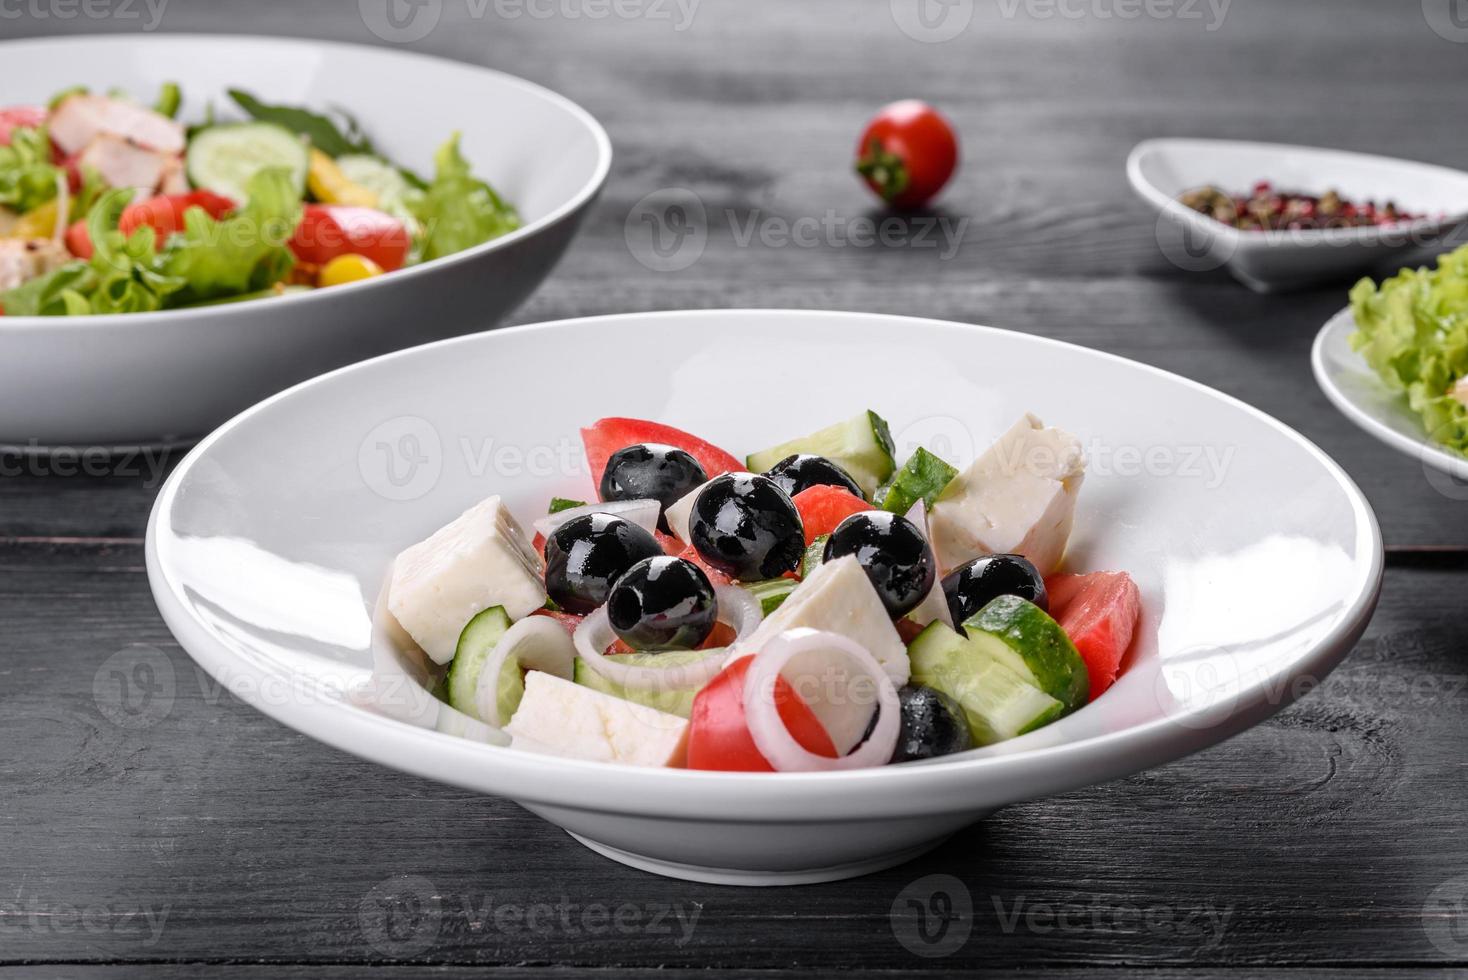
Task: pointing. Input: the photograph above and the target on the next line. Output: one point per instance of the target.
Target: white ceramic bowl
(1354, 388)
(1161, 169)
(1258, 559)
(159, 377)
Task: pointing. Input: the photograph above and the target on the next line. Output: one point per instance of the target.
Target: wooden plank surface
(205, 839)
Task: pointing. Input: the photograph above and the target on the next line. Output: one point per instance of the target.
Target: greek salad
(814, 606)
(108, 205)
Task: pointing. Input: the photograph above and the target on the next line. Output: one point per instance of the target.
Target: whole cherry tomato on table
(329, 230)
(907, 153)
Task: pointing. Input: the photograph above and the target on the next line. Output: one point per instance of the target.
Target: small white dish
(172, 376)
(1161, 169)
(1354, 388)
(1258, 559)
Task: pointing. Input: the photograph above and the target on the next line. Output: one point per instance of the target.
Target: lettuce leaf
(27, 177)
(242, 253)
(458, 210)
(1413, 331)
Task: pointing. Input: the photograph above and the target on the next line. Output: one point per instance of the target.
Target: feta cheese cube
(560, 717)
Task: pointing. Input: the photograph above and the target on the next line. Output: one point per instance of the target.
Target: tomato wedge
(164, 214)
(822, 507)
(604, 437)
(329, 230)
(718, 737)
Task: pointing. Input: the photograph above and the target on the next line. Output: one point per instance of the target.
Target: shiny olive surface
(744, 525)
(932, 725)
(804, 470)
(663, 603)
(894, 554)
(585, 556)
(971, 586)
(651, 471)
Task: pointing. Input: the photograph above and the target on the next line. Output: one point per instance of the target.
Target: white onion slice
(535, 643)
(641, 512)
(737, 609)
(767, 728)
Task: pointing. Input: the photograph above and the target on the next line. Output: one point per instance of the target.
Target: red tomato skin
(165, 213)
(606, 436)
(329, 230)
(718, 737)
(917, 135)
(823, 507)
(78, 242)
(19, 117)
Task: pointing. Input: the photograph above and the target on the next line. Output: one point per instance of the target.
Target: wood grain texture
(198, 838)
(1314, 841)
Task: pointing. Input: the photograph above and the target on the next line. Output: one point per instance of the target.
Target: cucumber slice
(922, 477)
(771, 593)
(1022, 636)
(997, 702)
(815, 553)
(394, 194)
(559, 504)
(476, 643)
(862, 446)
(678, 703)
(224, 158)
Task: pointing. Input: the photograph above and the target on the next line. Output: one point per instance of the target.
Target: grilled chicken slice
(80, 119)
(21, 260)
(124, 164)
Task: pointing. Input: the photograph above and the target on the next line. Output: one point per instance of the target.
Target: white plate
(1258, 559)
(1354, 388)
(161, 377)
(1161, 169)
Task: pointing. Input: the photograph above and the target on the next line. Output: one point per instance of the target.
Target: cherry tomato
(19, 117)
(718, 737)
(164, 214)
(329, 230)
(347, 268)
(907, 153)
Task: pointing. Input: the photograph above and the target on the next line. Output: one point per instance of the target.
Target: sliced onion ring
(641, 512)
(536, 643)
(767, 728)
(737, 609)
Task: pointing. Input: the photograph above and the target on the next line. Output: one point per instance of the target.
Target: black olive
(585, 556)
(893, 553)
(663, 603)
(932, 725)
(971, 586)
(651, 471)
(746, 526)
(803, 471)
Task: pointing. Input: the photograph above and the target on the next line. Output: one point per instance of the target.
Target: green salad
(108, 205)
(1413, 331)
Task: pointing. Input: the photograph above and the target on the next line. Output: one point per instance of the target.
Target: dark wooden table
(205, 840)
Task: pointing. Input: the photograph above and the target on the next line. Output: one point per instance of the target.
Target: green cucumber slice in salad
(997, 702)
(771, 593)
(222, 159)
(476, 643)
(674, 702)
(922, 477)
(862, 446)
(1023, 637)
(815, 553)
